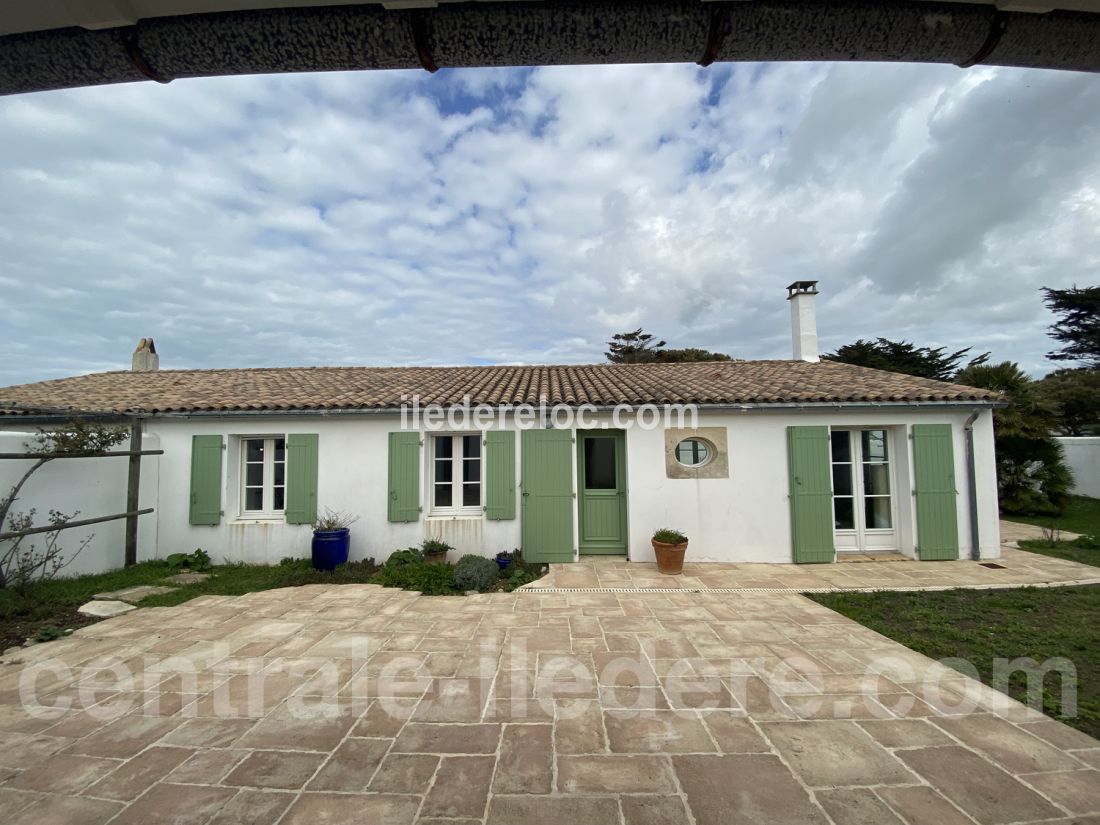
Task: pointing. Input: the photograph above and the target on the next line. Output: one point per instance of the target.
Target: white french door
(863, 490)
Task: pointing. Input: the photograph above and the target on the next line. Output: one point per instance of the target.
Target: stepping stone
(105, 609)
(187, 578)
(133, 595)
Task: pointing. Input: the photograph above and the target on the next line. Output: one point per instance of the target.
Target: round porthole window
(693, 452)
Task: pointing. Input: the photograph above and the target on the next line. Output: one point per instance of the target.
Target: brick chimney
(803, 295)
(145, 357)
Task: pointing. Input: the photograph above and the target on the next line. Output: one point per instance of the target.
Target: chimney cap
(801, 288)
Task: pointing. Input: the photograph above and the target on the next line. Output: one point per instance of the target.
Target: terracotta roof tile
(353, 388)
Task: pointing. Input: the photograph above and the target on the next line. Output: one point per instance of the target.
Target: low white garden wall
(95, 487)
(1083, 458)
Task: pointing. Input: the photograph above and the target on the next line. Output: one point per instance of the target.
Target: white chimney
(802, 295)
(145, 357)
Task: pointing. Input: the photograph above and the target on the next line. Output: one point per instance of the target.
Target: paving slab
(133, 595)
(105, 609)
(758, 787)
(980, 788)
(186, 578)
(831, 754)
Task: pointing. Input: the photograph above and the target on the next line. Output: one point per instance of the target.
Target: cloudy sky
(509, 216)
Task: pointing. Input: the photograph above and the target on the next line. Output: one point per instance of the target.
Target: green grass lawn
(1081, 516)
(983, 625)
(1084, 549)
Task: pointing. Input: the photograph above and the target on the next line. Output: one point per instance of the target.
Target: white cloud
(526, 215)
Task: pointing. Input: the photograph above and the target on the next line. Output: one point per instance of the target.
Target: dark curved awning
(42, 46)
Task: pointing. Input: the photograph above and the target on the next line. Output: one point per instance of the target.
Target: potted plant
(331, 539)
(504, 558)
(435, 551)
(669, 547)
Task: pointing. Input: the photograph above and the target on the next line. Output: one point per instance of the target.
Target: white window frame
(456, 482)
(708, 446)
(269, 511)
(866, 539)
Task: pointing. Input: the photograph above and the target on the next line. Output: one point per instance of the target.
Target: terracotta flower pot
(436, 558)
(670, 557)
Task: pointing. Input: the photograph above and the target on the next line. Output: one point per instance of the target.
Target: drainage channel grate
(910, 588)
(992, 565)
(682, 589)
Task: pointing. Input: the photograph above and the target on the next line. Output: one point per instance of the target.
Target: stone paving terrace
(357, 704)
(1015, 568)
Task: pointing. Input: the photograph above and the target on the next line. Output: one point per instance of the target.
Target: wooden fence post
(133, 488)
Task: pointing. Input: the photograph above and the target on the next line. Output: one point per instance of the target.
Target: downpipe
(972, 485)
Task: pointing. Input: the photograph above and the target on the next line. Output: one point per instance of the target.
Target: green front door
(546, 485)
(601, 480)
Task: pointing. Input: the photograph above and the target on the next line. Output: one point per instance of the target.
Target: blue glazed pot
(330, 548)
(503, 563)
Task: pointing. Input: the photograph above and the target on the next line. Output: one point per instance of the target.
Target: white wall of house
(352, 478)
(95, 487)
(744, 517)
(1083, 458)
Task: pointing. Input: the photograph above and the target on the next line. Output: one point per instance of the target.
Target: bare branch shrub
(21, 562)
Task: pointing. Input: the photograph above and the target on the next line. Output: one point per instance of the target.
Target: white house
(763, 461)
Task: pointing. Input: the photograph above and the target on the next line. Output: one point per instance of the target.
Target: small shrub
(197, 561)
(334, 520)
(475, 573)
(403, 558)
(1087, 542)
(435, 550)
(666, 535)
(519, 578)
(429, 579)
(48, 632)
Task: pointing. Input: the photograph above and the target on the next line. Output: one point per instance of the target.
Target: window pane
(253, 474)
(842, 479)
(874, 445)
(599, 463)
(280, 473)
(443, 445)
(443, 495)
(842, 446)
(279, 497)
(877, 513)
(692, 452)
(876, 479)
(471, 446)
(280, 449)
(471, 470)
(254, 449)
(254, 498)
(845, 520)
(471, 495)
(443, 470)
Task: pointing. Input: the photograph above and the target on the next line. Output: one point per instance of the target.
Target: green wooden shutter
(547, 484)
(301, 478)
(206, 479)
(811, 493)
(404, 477)
(500, 481)
(934, 470)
